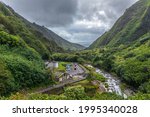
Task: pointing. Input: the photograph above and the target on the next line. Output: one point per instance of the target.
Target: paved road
(61, 85)
(78, 73)
(78, 70)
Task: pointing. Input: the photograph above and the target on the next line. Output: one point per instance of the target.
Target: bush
(129, 55)
(26, 73)
(143, 57)
(46, 97)
(108, 64)
(10, 40)
(91, 90)
(81, 60)
(145, 88)
(21, 68)
(92, 75)
(107, 96)
(75, 93)
(7, 82)
(65, 57)
(134, 72)
(140, 96)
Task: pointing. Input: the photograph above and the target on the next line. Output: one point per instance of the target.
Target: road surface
(61, 85)
(78, 70)
(79, 75)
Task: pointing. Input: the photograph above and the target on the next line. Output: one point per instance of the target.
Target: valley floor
(78, 73)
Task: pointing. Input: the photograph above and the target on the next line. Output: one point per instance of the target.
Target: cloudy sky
(79, 21)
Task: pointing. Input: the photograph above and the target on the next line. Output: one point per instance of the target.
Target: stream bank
(113, 84)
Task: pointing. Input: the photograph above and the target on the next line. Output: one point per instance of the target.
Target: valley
(78, 73)
(38, 64)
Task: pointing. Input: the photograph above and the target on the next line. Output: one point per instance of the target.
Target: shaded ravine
(114, 84)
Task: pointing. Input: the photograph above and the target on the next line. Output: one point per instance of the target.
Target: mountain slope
(22, 49)
(133, 25)
(38, 37)
(59, 40)
(14, 24)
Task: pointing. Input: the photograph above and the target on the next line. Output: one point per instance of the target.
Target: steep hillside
(20, 65)
(133, 25)
(22, 49)
(59, 40)
(131, 63)
(14, 24)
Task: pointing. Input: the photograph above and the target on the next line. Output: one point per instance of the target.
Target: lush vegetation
(130, 27)
(62, 66)
(14, 24)
(126, 49)
(66, 45)
(71, 93)
(130, 62)
(23, 49)
(20, 66)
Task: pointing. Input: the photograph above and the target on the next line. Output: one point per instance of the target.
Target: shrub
(134, 72)
(140, 96)
(129, 55)
(75, 93)
(47, 97)
(107, 96)
(26, 73)
(107, 64)
(7, 82)
(10, 40)
(23, 68)
(92, 75)
(143, 57)
(145, 88)
(81, 60)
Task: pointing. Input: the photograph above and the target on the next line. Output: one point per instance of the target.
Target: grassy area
(93, 75)
(92, 69)
(89, 88)
(62, 66)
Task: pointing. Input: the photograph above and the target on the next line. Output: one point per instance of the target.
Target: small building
(51, 64)
(55, 64)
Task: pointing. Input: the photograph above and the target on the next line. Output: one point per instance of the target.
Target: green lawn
(62, 66)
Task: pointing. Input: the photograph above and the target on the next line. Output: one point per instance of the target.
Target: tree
(75, 93)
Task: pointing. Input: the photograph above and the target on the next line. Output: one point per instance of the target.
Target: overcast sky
(79, 21)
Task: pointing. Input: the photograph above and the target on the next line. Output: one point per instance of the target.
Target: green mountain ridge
(59, 40)
(14, 24)
(124, 51)
(133, 25)
(22, 50)
(31, 31)
(51, 36)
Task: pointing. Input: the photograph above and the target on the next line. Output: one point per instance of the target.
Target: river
(113, 84)
(112, 81)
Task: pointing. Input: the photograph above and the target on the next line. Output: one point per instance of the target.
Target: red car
(75, 66)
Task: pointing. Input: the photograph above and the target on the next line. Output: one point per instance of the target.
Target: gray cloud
(80, 21)
(46, 12)
(106, 11)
